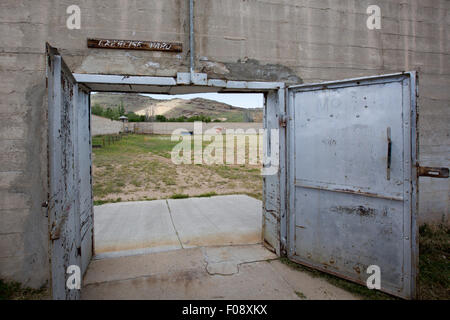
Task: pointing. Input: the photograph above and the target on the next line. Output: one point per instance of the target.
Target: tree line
(114, 113)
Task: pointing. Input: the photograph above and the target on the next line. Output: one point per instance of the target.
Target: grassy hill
(174, 108)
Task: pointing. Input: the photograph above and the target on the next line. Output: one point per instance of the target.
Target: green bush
(179, 196)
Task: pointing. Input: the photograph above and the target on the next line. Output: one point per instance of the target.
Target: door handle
(389, 154)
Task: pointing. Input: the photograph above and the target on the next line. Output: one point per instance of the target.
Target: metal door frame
(57, 70)
(410, 144)
(274, 227)
(274, 93)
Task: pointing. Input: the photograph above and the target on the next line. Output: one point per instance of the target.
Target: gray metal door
(352, 179)
(83, 158)
(69, 154)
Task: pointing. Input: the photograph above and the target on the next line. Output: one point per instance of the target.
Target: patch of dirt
(149, 176)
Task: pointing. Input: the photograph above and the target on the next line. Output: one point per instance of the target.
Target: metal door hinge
(432, 172)
(283, 120)
(55, 233)
(57, 225)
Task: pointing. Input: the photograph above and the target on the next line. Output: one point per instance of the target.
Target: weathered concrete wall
(100, 125)
(23, 145)
(170, 127)
(289, 40)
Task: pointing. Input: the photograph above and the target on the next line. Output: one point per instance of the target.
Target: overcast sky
(244, 100)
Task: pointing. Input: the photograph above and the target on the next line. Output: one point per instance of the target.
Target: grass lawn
(139, 167)
(15, 291)
(434, 262)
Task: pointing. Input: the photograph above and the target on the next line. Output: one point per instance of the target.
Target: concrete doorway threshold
(243, 272)
(196, 248)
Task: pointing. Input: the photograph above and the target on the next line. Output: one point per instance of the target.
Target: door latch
(432, 172)
(389, 154)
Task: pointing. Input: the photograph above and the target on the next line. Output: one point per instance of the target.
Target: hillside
(174, 108)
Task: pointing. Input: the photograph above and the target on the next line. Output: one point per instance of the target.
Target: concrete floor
(231, 272)
(197, 248)
(129, 228)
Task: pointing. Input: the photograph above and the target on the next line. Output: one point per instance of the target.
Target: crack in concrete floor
(173, 224)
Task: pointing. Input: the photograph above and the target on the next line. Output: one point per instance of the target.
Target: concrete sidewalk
(130, 228)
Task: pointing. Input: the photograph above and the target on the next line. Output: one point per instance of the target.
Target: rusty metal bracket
(283, 120)
(433, 172)
(55, 232)
(57, 226)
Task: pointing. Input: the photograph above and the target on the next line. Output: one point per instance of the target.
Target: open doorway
(70, 202)
(147, 200)
(71, 214)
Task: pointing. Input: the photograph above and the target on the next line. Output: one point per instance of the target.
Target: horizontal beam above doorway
(169, 85)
